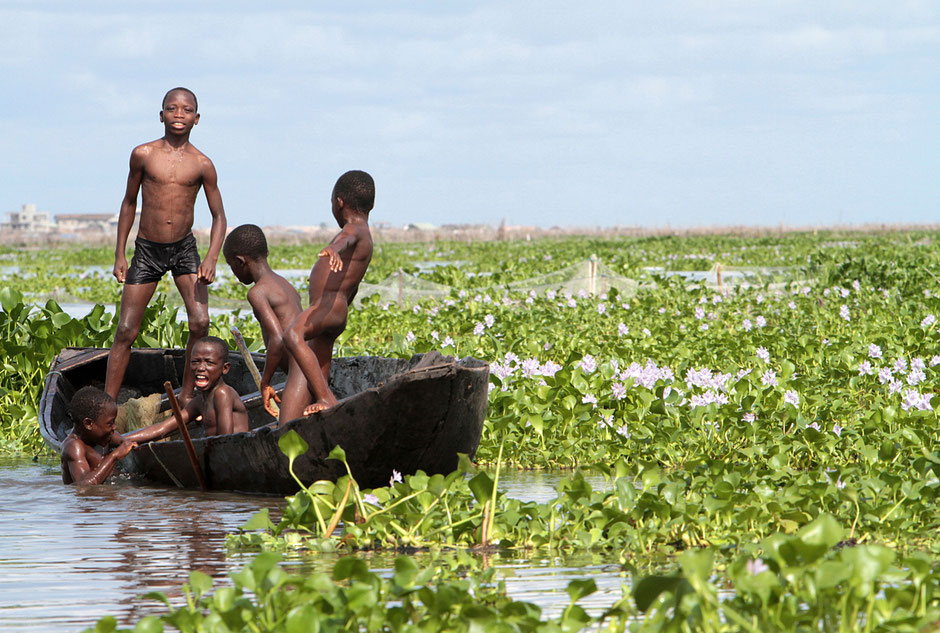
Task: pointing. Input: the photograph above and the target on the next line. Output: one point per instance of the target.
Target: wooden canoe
(393, 414)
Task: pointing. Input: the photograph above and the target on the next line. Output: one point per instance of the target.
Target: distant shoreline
(474, 233)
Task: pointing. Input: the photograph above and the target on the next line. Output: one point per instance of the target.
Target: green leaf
(292, 445)
(482, 487)
(580, 588)
(337, 453)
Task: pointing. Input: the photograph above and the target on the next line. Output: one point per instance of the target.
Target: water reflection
(69, 556)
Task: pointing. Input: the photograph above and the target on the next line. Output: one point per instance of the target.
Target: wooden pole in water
(249, 361)
(190, 449)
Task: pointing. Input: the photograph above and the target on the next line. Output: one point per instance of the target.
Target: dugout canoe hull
(393, 414)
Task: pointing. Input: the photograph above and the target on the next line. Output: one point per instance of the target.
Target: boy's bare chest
(173, 169)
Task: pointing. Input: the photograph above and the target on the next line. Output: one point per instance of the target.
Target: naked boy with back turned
(334, 281)
(168, 173)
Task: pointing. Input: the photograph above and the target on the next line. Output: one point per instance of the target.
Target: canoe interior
(147, 370)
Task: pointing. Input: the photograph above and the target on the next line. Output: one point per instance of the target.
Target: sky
(549, 113)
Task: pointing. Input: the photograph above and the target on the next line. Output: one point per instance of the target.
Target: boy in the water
(168, 173)
(93, 414)
(275, 303)
(334, 282)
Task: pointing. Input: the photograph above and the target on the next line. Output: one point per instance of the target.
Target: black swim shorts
(152, 260)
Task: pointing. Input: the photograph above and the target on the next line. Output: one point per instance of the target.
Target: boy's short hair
(172, 90)
(216, 342)
(88, 402)
(246, 240)
(357, 189)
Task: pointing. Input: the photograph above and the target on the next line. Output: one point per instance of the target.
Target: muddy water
(69, 556)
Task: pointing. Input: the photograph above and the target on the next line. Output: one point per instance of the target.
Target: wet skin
(275, 304)
(334, 281)
(168, 173)
(219, 405)
(81, 463)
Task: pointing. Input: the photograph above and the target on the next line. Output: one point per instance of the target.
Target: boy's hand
(206, 272)
(267, 393)
(120, 268)
(336, 264)
(124, 449)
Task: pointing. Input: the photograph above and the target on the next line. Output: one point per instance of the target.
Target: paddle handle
(190, 449)
(240, 342)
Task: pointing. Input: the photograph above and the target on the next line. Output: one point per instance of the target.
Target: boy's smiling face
(98, 430)
(208, 365)
(179, 113)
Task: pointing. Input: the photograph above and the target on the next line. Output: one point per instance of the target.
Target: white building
(29, 220)
(81, 222)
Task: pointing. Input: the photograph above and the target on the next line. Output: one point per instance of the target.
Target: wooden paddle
(190, 449)
(249, 361)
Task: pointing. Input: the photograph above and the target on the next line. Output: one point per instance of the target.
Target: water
(69, 556)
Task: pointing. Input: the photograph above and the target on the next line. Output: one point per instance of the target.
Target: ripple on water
(69, 556)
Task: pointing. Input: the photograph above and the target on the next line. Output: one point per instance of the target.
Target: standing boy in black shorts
(168, 173)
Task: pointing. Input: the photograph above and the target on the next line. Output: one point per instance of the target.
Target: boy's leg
(308, 325)
(196, 299)
(323, 349)
(134, 300)
(296, 395)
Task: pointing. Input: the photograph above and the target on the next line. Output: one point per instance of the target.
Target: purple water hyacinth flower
(813, 425)
(622, 329)
(410, 337)
(749, 417)
(435, 335)
(447, 342)
(934, 361)
(512, 358)
(550, 295)
(606, 421)
(900, 364)
(844, 312)
(791, 305)
(865, 369)
(756, 566)
(928, 321)
(396, 478)
(619, 391)
(646, 332)
(761, 321)
(840, 484)
(856, 286)
(478, 329)
(915, 376)
(747, 325)
(885, 375)
(624, 431)
(500, 370)
(489, 320)
(874, 351)
(699, 313)
(704, 327)
(550, 368)
(531, 367)
(837, 429)
(371, 499)
(601, 308)
(662, 310)
(572, 303)
(895, 386)
(760, 298)
(582, 294)
(742, 373)
(918, 363)
(844, 292)
(763, 354)
(769, 378)
(914, 400)
(587, 364)
(792, 397)
(590, 399)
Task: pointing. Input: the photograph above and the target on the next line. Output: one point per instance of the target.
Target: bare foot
(315, 407)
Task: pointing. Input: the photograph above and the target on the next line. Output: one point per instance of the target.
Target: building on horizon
(84, 222)
(29, 220)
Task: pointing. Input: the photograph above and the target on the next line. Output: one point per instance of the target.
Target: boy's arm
(224, 403)
(210, 182)
(346, 238)
(271, 326)
(81, 471)
(128, 213)
(158, 430)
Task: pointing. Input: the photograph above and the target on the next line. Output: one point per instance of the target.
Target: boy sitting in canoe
(334, 282)
(93, 413)
(221, 408)
(275, 303)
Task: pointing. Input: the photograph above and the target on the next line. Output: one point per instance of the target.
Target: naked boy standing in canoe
(168, 173)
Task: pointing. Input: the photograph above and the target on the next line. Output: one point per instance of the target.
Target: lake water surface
(69, 556)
